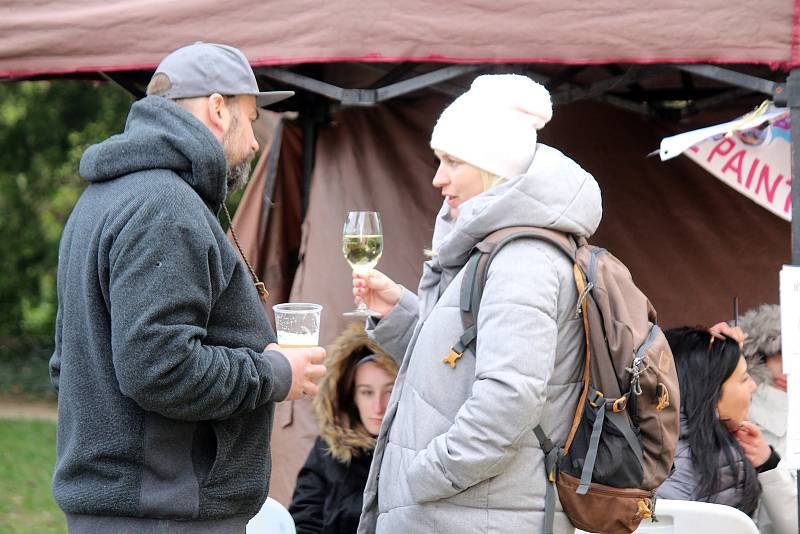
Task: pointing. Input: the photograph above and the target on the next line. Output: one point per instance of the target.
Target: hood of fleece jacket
(554, 193)
(159, 134)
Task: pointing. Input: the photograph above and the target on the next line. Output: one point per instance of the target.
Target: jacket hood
(554, 193)
(763, 328)
(159, 134)
(345, 438)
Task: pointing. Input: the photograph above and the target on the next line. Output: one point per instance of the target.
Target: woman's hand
(753, 443)
(379, 292)
(733, 332)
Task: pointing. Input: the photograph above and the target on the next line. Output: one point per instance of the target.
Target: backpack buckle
(597, 398)
(645, 510)
(620, 404)
(452, 357)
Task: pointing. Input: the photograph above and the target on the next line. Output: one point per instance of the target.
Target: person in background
(457, 452)
(762, 350)
(722, 457)
(164, 361)
(350, 409)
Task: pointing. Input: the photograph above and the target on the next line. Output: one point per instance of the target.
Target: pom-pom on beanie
(493, 125)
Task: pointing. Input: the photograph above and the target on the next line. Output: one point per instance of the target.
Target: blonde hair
(490, 180)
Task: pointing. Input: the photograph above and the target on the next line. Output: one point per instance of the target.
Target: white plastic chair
(690, 517)
(273, 518)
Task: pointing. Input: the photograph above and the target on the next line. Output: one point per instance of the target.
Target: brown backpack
(622, 442)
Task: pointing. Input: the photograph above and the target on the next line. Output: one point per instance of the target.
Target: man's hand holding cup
(297, 327)
(307, 368)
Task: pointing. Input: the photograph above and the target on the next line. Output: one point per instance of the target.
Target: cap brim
(266, 98)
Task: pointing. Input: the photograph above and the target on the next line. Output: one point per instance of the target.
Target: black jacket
(328, 495)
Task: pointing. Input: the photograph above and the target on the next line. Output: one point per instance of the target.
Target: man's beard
(238, 175)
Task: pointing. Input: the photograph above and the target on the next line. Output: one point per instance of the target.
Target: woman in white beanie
(456, 452)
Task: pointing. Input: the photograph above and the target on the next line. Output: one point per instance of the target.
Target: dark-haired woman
(350, 406)
(721, 457)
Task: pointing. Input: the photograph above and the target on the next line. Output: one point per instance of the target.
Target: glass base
(362, 314)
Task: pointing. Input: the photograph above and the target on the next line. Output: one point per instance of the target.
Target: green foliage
(44, 129)
(24, 368)
(27, 457)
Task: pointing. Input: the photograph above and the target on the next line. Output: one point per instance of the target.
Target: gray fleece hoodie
(165, 397)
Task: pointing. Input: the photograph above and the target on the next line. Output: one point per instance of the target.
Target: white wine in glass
(362, 246)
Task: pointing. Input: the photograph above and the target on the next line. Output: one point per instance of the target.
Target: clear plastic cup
(297, 324)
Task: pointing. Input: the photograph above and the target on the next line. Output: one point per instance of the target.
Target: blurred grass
(27, 457)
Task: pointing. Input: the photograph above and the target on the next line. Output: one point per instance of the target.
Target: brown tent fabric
(366, 159)
(691, 242)
(272, 244)
(60, 36)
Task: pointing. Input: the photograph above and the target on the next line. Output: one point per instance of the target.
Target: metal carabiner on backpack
(581, 298)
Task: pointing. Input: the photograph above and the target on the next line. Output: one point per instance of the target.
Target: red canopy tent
(372, 77)
(61, 36)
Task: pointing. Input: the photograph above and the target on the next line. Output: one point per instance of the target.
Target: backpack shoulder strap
(471, 292)
(477, 269)
(484, 252)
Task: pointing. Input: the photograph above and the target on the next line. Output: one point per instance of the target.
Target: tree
(44, 129)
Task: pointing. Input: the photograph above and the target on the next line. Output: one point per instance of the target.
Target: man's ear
(218, 114)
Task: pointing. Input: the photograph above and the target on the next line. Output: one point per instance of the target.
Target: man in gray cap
(164, 363)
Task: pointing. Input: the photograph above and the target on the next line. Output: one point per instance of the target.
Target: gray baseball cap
(202, 69)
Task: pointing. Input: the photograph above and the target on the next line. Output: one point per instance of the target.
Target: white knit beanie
(493, 125)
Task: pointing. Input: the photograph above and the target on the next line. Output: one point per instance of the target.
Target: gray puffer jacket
(682, 483)
(777, 507)
(456, 452)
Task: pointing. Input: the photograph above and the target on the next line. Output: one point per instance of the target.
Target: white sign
(790, 318)
(790, 341)
(754, 159)
(792, 458)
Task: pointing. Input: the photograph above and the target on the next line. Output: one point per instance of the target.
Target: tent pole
(793, 101)
(788, 95)
(308, 121)
(269, 184)
(791, 96)
(731, 77)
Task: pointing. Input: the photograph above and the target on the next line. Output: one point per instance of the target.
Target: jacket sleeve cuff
(393, 332)
(281, 375)
(771, 463)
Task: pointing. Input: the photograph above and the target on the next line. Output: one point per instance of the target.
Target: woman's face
(372, 391)
(734, 402)
(458, 180)
(775, 366)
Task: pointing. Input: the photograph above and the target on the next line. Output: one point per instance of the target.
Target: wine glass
(362, 246)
